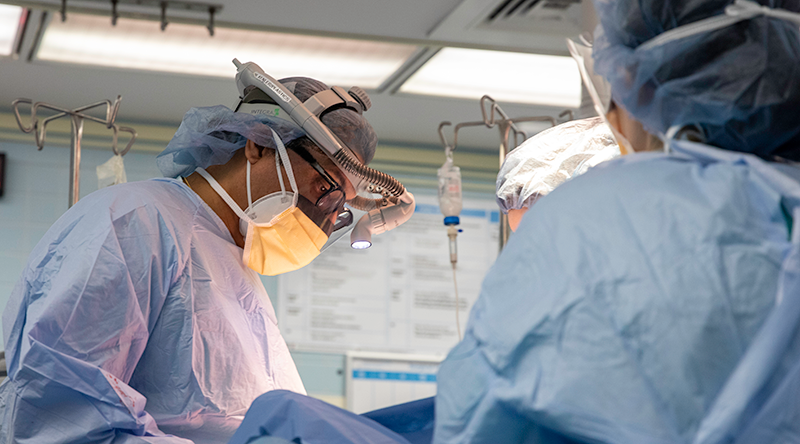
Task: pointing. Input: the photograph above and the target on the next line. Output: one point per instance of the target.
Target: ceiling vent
(531, 25)
(535, 15)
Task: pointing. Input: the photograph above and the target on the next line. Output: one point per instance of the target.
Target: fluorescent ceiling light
(505, 76)
(188, 49)
(10, 17)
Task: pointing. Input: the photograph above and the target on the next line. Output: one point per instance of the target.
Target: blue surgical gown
(292, 417)
(305, 420)
(135, 319)
(655, 299)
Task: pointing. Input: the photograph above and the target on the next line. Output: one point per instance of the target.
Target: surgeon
(140, 316)
(533, 169)
(655, 298)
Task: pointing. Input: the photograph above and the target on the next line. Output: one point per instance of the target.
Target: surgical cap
(549, 158)
(210, 136)
(740, 85)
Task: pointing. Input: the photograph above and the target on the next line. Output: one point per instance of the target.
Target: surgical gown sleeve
(622, 307)
(79, 319)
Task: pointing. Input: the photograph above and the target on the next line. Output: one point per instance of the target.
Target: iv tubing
(458, 308)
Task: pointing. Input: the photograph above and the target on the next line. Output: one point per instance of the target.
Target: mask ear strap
(669, 136)
(288, 165)
(280, 176)
(249, 186)
(222, 193)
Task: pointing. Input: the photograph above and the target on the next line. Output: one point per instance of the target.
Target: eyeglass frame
(344, 216)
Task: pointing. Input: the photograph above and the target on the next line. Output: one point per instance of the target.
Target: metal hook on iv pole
(77, 117)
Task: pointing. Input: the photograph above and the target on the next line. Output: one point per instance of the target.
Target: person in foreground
(546, 160)
(656, 298)
(140, 316)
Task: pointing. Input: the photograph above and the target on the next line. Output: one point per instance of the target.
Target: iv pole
(77, 118)
(509, 132)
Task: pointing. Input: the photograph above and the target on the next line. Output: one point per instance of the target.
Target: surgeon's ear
(253, 152)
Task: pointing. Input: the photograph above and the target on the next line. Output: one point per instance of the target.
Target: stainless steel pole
(75, 160)
(505, 229)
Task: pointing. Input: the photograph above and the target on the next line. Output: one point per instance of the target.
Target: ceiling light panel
(10, 19)
(505, 76)
(188, 49)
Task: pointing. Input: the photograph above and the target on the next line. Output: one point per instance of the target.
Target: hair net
(210, 136)
(739, 84)
(547, 159)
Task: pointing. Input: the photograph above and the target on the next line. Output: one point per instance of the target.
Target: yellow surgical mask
(274, 244)
(289, 242)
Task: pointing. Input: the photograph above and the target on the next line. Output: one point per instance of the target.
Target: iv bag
(450, 189)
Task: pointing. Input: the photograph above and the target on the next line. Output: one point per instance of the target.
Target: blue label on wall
(394, 376)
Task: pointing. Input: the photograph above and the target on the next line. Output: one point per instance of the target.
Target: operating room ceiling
(163, 98)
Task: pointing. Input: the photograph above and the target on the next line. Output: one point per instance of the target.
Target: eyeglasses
(333, 199)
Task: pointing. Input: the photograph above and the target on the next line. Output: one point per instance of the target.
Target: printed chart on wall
(397, 296)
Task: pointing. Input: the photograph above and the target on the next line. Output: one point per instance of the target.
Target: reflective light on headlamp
(361, 245)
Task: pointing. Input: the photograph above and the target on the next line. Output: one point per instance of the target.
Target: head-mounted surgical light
(395, 204)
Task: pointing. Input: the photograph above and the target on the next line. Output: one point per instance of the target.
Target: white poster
(396, 296)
